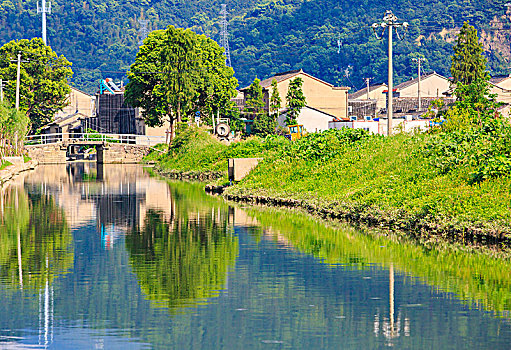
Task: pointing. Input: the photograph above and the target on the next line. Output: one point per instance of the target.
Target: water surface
(110, 257)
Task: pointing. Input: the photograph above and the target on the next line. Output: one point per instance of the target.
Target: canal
(112, 257)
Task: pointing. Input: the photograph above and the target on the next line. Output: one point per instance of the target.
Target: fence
(142, 140)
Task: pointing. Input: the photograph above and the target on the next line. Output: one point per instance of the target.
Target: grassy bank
(445, 182)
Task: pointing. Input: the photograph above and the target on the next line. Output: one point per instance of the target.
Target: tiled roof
(415, 80)
(279, 77)
(498, 79)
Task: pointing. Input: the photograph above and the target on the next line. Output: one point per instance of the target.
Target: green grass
(384, 174)
(26, 158)
(367, 175)
(195, 150)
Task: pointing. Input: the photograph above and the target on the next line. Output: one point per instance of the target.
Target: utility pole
(367, 83)
(44, 10)
(18, 73)
(419, 60)
(1, 90)
(18, 76)
(389, 22)
(224, 36)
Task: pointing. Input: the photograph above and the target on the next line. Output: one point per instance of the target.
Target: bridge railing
(45, 139)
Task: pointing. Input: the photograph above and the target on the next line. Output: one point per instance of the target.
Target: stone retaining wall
(13, 170)
(110, 153)
(47, 154)
(122, 154)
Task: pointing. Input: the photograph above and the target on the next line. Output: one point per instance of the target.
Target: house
(501, 86)
(377, 94)
(79, 102)
(113, 114)
(432, 84)
(502, 81)
(81, 106)
(319, 95)
(312, 119)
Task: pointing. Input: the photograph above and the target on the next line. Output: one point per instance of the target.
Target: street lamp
(389, 22)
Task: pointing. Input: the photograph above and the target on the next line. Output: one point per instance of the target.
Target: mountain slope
(266, 36)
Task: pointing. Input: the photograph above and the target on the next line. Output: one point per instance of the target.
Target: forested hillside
(266, 36)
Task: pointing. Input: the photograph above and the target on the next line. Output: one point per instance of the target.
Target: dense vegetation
(266, 36)
(454, 178)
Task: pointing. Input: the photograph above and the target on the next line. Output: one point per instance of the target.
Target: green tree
(254, 103)
(264, 124)
(177, 73)
(468, 63)
(275, 100)
(14, 127)
(295, 100)
(44, 79)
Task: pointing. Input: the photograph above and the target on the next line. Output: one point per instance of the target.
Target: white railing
(45, 139)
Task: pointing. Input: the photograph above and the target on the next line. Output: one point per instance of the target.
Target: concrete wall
(380, 127)
(371, 126)
(318, 94)
(238, 168)
(312, 120)
(47, 154)
(123, 154)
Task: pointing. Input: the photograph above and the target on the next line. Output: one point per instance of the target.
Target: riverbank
(11, 171)
(407, 182)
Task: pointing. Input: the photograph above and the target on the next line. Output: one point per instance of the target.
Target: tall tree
(275, 100)
(468, 63)
(44, 79)
(295, 100)
(254, 103)
(177, 73)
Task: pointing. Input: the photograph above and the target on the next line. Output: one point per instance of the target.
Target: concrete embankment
(15, 169)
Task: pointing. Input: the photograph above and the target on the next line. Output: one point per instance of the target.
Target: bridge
(110, 148)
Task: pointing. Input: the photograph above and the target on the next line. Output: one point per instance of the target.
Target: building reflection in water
(114, 201)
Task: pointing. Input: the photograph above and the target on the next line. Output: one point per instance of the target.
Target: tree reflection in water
(36, 244)
(182, 257)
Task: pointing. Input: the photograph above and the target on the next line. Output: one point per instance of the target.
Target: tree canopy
(178, 73)
(44, 79)
(468, 63)
(265, 37)
(295, 100)
(275, 100)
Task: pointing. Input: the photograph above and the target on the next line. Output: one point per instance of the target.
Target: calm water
(112, 258)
